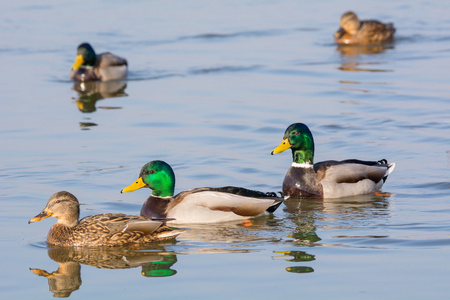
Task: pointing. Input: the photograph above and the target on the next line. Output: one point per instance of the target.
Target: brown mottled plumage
(352, 31)
(98, 230)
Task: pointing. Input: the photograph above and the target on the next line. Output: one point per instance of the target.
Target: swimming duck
(352, 31)
(103, 67)
(327, 179)
(98, 230)
(200, 205)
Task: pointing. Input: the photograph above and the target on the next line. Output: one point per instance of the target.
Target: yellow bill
(338, 34)
(139, 183)
(282, 147)
(78, 62)
(43, 215)
(80, 105)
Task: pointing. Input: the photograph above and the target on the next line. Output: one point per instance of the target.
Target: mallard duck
(327, 179)
(200, 205)
(104, 67)
(352, 31)
(98, 230)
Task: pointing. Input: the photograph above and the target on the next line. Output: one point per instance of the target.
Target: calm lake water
(211, 89)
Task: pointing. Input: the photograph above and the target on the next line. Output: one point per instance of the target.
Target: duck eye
(295, 133)
(151, 172)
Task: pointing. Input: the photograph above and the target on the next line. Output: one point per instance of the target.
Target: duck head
(158, 176)
(349, 24)
(299, 139)
(85, 56)
(62, 205)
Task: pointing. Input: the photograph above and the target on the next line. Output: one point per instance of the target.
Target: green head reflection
(160, 268)
(299, 269)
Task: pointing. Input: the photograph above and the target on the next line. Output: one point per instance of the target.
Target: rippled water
(212, 88)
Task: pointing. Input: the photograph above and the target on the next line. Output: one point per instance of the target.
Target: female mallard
(352, 31)
(98, 230)
(327, 179)
(200, 205)
(104, 67)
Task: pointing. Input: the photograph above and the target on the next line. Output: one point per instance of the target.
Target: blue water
(211, 89)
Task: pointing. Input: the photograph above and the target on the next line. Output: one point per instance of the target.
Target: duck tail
(274, 206)
(170, 234)
(389, 170)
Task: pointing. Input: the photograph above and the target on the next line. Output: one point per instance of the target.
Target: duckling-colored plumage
(200, 205)
(352, 31)
(98, 230)
(89, 66)
(327, 179)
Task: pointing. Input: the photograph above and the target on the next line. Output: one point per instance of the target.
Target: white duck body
(210, 205)
(335, 179)
(214, 207)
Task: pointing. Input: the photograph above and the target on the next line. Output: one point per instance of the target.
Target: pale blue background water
(212, 88)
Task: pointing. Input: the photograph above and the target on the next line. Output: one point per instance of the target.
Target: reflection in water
(155, 262)
(352, 52)
(355, 67)
(356, 50)
(303, 213)
(296, 256)
(86, 125)
(161, 267)
(90, 92)
(218, 238)
(299, 269)
(345, 213)
(63, 281)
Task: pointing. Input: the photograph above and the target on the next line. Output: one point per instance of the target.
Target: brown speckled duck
(327, 179)
(352, 31)
(98, 230)
(89, 66)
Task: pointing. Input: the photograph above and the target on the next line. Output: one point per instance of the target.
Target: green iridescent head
(299, 138)
(85, 56)
(158, 176)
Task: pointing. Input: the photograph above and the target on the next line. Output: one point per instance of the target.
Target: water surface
(212, 88)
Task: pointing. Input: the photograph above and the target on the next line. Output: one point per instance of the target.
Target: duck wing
(108, 59)
(352, 170)
(252, 193)
(377, 31)
(119, 223)
(240, 201)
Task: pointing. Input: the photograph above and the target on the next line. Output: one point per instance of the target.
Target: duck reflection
(351, 56)
(345, 213)
(361, 67)
(63, 281)
(155, 262)
(296, 256)
(223, 237)
(89, 92)
(357, 50)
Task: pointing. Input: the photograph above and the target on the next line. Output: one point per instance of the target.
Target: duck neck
(156, 207)
(303, 156)
(164, 191)
(68, 221)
